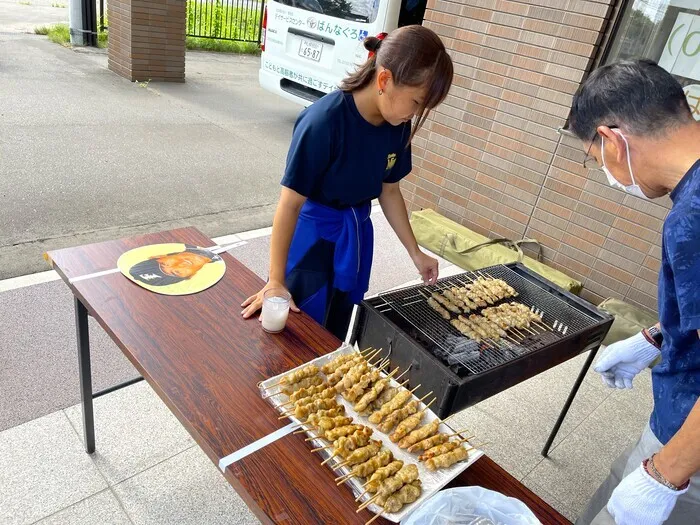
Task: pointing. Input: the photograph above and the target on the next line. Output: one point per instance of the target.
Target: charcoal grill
(462, 372)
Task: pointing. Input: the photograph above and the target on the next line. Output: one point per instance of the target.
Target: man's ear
(615, 141)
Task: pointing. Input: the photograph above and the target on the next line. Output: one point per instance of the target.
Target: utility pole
(82, 17)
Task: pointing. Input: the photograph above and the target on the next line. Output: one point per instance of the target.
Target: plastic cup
(275, 310)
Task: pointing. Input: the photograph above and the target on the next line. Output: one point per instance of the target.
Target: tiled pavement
(147, 469)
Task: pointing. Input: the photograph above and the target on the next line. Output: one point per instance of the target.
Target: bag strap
(503, 241)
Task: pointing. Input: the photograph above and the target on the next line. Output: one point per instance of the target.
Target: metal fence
(239, 20)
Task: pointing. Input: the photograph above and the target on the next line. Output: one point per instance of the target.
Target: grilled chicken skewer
(358, 389)
(347, 453)
(298, 375)
(306, 392)
(338, 432)
(357, 439)
(373, 393)
(408, 424)
(406, 475)
(396, 402)
(429, 443)
(361, 455)
(302, 412)
(446, 302)
(404, 496)
(339, 361)
(304, 383)
(435, 305)
(380, 475)
(365, 469)
(398, 415)
(447, 460)
(438, 450)
(420, 434)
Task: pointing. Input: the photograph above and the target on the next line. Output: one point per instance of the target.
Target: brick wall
(147, 39)
(490, 157)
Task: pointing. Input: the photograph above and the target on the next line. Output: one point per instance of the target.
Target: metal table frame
(85, 370)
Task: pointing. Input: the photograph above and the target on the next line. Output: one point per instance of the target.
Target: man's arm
(680, 458)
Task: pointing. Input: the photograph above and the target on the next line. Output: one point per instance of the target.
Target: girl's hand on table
(254, 302)
(427, 266)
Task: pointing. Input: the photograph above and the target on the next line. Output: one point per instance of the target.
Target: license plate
(310, 50)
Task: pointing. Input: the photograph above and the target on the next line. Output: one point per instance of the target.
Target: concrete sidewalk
(147, 470)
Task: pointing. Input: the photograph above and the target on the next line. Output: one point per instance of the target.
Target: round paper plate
(172, 269)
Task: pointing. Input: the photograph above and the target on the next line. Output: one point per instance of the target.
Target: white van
(309, 46)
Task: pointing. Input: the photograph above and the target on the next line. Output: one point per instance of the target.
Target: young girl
(352, 146)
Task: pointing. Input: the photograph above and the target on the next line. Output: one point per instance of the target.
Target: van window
(355, 10)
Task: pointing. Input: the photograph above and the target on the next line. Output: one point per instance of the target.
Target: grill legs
(569, 400)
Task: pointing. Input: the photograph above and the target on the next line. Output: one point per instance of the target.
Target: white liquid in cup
(275, 311)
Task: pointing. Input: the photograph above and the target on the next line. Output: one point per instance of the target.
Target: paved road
(86, 155)
(19, 17)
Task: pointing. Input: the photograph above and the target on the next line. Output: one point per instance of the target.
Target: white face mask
(632, 189)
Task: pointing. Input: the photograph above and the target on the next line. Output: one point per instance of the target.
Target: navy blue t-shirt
(338, 159)
(676, 380)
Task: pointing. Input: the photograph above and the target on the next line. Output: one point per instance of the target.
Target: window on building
(668, 32)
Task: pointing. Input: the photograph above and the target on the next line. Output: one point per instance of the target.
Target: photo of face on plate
(172, 269)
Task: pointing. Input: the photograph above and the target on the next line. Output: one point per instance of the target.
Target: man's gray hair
(637, 96)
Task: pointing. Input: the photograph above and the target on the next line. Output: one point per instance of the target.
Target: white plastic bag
(471, 506)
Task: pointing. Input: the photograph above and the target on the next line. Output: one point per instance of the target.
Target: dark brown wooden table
(204, 361)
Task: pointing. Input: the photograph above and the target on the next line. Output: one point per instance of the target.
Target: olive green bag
(472, 251)
(629, 320)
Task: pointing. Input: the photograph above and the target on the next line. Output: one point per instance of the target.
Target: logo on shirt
(390, 161)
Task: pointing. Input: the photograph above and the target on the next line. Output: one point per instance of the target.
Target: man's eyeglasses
(589, 161)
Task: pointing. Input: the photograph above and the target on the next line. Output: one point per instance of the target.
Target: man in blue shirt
(635, 124)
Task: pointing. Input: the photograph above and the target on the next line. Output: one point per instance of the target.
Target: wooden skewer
(321, 448)
(373, 354)
(366, 504)
(312, 438)
(375, 517)
(428, 405)
(267, 396)
(452, 435)
(425, 396)
(348, 478)
(345, 477)
(420, 385)
(449, 417)
(363, 352)
(328, 459)
(403, 374)
(358, 498)
(531, 331)
(286, 415)
(342, 464)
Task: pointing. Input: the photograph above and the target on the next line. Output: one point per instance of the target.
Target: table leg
(570, 399)
(81, 326)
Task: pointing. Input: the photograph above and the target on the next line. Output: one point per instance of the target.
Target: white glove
(641, 500)
(621, 361)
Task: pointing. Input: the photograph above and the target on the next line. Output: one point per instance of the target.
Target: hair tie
(380, 37)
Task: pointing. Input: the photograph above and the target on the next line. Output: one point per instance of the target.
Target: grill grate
(465, 356)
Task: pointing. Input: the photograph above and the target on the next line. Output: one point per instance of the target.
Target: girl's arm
(283, 226)
(394, 208)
